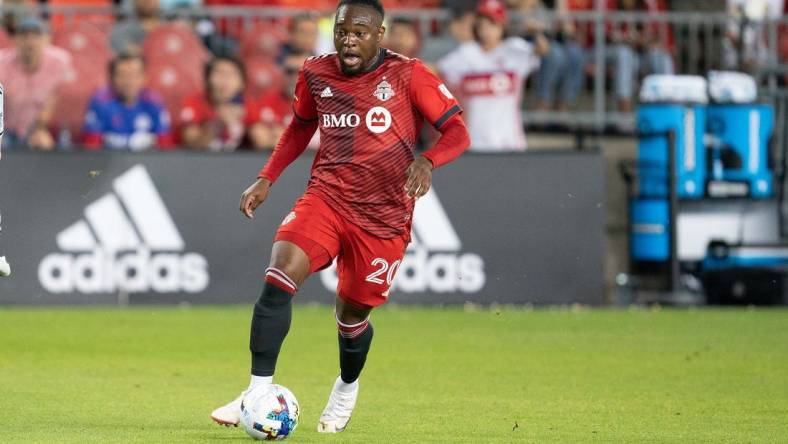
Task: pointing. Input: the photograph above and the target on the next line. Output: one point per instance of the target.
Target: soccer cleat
(5, 268)
(230, 414)
(337, 413)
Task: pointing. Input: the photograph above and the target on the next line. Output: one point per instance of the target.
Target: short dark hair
(124, 57)
(374, 4)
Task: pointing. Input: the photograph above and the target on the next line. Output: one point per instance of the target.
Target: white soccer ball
(269, 412)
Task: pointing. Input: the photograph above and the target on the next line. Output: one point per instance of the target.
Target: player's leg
(305, 242)
(355, 339)
(366, 268)
(288, 269)
(272, 313)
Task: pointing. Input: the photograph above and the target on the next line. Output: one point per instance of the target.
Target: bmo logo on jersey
(378, 120)
(341, 121)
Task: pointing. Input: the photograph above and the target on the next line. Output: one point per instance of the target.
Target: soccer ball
(269, 413)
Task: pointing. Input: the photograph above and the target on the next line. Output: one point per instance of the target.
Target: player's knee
(353, 330)
(291, 262)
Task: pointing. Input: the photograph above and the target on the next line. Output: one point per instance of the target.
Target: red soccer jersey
(369, 124)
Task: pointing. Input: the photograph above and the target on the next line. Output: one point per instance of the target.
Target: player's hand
(254, 196)
(419, 177)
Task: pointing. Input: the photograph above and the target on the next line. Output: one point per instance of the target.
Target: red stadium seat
(86, 43)
(174, 43)
(262, 41)
(174, 82)
(262, 76)
(73, 97)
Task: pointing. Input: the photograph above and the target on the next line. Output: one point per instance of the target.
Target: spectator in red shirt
(274, 110)
(218, 118)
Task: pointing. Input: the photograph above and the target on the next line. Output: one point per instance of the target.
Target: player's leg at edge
(270, 321)
(355, 338)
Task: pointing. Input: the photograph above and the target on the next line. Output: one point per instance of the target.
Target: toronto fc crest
(384, 91)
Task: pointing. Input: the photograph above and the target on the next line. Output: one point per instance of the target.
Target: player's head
(225, 78)
(490, 26)
(127, 76)
(358, 31)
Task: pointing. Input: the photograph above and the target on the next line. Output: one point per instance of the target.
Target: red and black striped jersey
(369, 125)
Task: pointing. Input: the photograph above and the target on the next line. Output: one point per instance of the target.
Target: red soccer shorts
(366, 264)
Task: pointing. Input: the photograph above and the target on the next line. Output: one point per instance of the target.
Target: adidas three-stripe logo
(127, 241)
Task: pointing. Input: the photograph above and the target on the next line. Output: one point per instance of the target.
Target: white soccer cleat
(5, 268)
(230, 414)
(337, 413)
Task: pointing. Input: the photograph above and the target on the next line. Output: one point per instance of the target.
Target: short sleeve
(304, 106)
(524, 54)
(431, 96)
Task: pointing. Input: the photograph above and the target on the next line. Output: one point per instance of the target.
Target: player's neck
(375, 62)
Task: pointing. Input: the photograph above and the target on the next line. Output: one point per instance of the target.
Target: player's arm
(434, 101)
(293, 142)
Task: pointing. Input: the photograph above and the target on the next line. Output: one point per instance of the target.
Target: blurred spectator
(489, 74)
(275, 109)
(459, 31)
(636, 49)
(126, 115)
(31, 72)
(302, 37)
(217, 119)
(128, 35)
(402, 37)
(745, 45)
(562, 68)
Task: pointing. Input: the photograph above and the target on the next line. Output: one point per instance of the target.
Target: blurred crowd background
(219, 74)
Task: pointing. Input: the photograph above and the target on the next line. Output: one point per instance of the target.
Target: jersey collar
(381, 58)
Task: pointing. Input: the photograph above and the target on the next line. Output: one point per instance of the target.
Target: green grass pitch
(153, 374)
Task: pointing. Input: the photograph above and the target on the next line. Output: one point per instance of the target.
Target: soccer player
(369, 104)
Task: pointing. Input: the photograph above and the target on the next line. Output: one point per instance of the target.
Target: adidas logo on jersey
(126, 242)
(434, 260)
(326, 93)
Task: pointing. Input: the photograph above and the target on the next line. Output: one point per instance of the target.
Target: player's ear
(381, 33)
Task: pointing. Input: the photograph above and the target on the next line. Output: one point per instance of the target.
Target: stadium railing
(694, 40)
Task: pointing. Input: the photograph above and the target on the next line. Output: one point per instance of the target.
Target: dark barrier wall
(82, 228)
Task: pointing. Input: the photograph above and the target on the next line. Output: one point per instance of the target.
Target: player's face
(225, 82)
(129, 79)
(357, 36)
